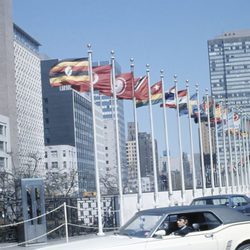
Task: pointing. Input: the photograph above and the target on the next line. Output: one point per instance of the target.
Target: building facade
(28, 102)
(61, 170)
(5, 145)
(106, 103)
(68, 121)
(229, 65)
(20, 94)
(8, 107)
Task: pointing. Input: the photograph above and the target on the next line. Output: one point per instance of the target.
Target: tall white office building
(20, 92)
(28, 101)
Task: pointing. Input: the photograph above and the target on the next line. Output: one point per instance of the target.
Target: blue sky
(167, 34)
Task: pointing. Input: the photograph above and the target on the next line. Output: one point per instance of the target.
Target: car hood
(97, 242)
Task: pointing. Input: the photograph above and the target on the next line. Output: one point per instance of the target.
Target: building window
(54, 153)
(64, 153)
(1, 146)
(46, 154)
(1, 129)
(64, 164)
(46, 165)
(1, 162)
(54, 164)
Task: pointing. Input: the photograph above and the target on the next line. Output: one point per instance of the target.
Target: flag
(123, 86)
(101, 79)
(193, 108)
(156, 95)
(70, 72)
(170, 100)
(141, 88)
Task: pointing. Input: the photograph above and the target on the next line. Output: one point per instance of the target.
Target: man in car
(183, 228)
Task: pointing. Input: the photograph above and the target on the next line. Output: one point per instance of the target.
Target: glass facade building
(68, 121)
(229, 66)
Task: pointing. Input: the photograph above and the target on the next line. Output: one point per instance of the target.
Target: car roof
(219, 196)
(225, 214)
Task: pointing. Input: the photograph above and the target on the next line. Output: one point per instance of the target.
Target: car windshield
(141, 225)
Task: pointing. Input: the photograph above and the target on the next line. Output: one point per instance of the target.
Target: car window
(141, 225)
(211, 221)
(220, 201)
(239, 201)
(199, 202)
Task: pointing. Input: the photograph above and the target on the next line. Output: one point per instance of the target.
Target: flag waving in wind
(170, 100)
(141, 88)
(123, 86)
(70, 72)
(156, 95)
(101, 79)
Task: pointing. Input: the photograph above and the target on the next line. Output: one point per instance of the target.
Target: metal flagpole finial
(197, 86)
(112, 54)
(89, 47)
(187, 85)
(132, 65)
(161, 71)
(147, 66)
(175, 79)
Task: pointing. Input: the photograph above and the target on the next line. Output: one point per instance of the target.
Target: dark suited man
(183, 228)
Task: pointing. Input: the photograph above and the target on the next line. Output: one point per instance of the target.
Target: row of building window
(54, 153)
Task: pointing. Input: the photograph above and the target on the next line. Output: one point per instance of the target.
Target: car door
(192, 241)
(203, 238)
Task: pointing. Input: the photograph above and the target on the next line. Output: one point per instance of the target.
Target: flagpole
(201, 143)
(180, 142)
(98, 191)
(241, 163)
(236, 155)
(139, 198)
(170, 188)
(230, 153)
(153, 140)
(117, 140)
(210, 144)
(224, 149)
(244, 151)
(191, 139)
(217, 147)
(247, 146)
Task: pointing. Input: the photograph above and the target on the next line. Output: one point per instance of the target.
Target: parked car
(215, 227)
(238, 201)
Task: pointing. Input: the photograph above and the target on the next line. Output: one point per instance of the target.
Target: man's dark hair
(182, 218)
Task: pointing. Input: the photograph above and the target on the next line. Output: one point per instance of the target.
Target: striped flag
(156, 95)
(70, 72)
(170, 100)
(141, 88)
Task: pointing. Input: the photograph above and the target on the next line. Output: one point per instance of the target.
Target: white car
(214, 228)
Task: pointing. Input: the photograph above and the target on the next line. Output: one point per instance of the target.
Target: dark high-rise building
(68, 121)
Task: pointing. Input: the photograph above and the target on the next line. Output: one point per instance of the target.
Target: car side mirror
(160, 233)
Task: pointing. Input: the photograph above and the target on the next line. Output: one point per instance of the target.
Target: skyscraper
(20, 92)
(229, 65)
(68, 121)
